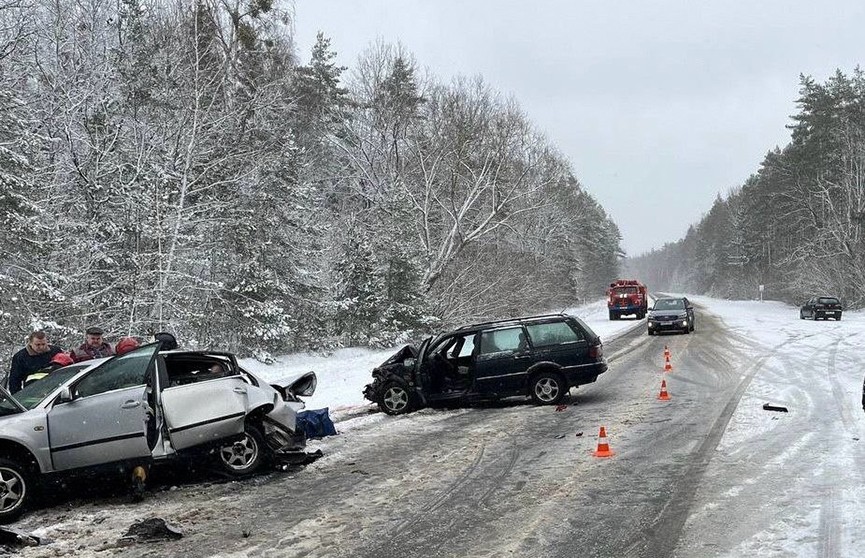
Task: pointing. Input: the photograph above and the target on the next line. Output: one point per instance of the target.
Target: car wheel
(801, 315)
(650, 332)
(548, 388)
(15, 490)
(245, 456)
(395, 399)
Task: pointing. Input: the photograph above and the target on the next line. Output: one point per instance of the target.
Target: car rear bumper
(827, 314)
(585, 374)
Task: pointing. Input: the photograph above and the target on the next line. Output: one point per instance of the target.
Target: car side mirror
(65, 394)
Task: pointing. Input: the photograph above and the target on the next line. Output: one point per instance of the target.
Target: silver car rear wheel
(244, 456)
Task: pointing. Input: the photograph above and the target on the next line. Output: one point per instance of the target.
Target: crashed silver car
(141, 408)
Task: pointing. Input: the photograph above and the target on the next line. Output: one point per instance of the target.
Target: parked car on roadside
(671, 314)
(540, 357)
(821, 307)
(143, 407)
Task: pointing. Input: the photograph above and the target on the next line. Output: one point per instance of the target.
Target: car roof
(508, 321)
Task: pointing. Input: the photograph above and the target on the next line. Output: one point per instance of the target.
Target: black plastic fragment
(767, 407)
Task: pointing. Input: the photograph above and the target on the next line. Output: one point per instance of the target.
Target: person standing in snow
(36, 354)
(93, 346)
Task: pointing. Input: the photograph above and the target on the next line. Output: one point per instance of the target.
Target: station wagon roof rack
(510, 320)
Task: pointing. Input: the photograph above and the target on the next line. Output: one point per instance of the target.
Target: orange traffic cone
(664, 396)
(666, 351)
(667, 366)
(603, 447)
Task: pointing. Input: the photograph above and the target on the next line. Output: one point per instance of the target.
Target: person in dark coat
(93, 346)
(35, 355)
(167, 341)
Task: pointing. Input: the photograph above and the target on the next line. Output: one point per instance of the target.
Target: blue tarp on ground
(316, 423)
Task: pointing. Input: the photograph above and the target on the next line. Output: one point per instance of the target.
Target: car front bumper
(671, 325)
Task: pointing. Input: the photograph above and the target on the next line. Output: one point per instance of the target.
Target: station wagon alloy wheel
(13, 490)
(395, 400)
(548, 389)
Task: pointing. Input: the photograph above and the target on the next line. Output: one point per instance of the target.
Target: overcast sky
(660, 105)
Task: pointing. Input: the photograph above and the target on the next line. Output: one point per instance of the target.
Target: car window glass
(33, 393)
(669, 304)
(828, 300)
(120, 372)
(463, 347)
(499, 340)
(7, 406)
(552, 333)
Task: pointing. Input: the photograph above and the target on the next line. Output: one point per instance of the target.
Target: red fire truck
(627, 296)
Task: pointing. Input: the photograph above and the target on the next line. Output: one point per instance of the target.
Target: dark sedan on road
(824, 307)
(671, 314)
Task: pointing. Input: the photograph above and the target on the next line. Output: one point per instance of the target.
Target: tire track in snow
(434, 527)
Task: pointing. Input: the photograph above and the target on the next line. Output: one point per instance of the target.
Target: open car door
(102, 417)
(204, 411)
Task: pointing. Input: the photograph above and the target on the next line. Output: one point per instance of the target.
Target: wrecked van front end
(395, 387)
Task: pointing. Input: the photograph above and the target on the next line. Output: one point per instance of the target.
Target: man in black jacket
(35, 355)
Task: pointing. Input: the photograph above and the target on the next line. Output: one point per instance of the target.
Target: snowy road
(707, 473)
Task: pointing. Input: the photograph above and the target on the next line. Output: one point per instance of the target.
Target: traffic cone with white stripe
(664, 396)
(666, 351)
(603, 447)
(667, 366)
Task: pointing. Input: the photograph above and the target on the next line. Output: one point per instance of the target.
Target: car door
(204, 412)
(105, 420)
(502, 360)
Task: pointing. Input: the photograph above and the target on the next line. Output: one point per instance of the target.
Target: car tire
(395, 399)
(16, 489)
(650, 332)
(245, 456)
(548, 388)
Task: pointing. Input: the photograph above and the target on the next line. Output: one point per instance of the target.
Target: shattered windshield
(8, 404)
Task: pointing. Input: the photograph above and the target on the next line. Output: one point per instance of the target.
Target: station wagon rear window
(552, 333)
